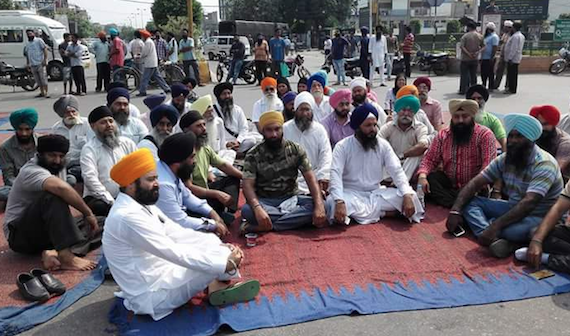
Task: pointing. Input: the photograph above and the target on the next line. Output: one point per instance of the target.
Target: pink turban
(339, 96)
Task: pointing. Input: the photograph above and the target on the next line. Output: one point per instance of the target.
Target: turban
(411, 102)
(53, 143)
(526, 125)
(190, 80)
(218, 89)
(272, 117)
(177, 148)
(508, 23)
(407, 90)
(329, 91)
(101, 34)
(358, 82)
(339, 96)
(153, 101)
(480, 89)
(62, 103)
(288, 97)
(548, 112)
(201, 105)
(319, 76)
(491, 25)
(423, 80)
(117, 84)
(145, 33)
(179, 89)
(268, 81)
(305, 97)
(362, 113)
(28, 116)
(113, 32)
(133, 166)
(161, 111)
(115, 93)
(466, 105)
(189, 118)
(99, 113)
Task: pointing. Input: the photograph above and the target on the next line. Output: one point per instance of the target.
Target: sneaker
(501, 248)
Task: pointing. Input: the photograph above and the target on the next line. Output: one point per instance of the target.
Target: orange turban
(101, 34)
(271, 117)
(145, 33)
(268, 81)
(132, 167)
(407, 90)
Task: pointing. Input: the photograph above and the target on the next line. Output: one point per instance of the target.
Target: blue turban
(289, 97)
(153, 101)
(319, 76)
(163, 110)
(525, 124)
(360, 114)
(179, 89)
(411, 102)
(115, 93)
(28, 116)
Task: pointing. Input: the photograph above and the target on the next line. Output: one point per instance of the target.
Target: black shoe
(31, 288)
(501, 248)
(141, 95)
(53, 285)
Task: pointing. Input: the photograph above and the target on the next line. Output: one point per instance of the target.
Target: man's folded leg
(301, 215)
(481, 211)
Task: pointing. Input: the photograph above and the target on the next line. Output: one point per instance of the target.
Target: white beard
(271, 102)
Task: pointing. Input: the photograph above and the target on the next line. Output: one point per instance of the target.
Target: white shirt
(148, 253)
(354, 168)
(377, 48)
(237, 123)
(173, 45)
(149, 56)
(422, 117)
(262, 105)
(315, 142)
(134, 129)
(78, 135)
(134, 111)
(322, 110)
(96, 161)
(135, 48)
(328, 44)
(514, 48)
(216, 134)
(145, 143)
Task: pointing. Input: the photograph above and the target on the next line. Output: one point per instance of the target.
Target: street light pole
(190, 18)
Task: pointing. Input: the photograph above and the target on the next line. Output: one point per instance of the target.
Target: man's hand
(488, 236)
(320, 217)
(422, 180)
(221, 229)
(237, 257)
(534, 253)
(324, 184)
(234, 145)
(93, 225)
(263, 219)
(211, 177)
(340, 213)
(408, 208)
(453, 221)
(224, 198)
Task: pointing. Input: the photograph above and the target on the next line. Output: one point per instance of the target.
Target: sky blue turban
(411, 102)
(28, 116)
(525, 124)
(360, 114)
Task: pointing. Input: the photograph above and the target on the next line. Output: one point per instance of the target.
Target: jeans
(488, 72)
(407, 62)
(79, 78)
(339, 68)
(235, 69)
(512, 76)
(302, 215)
(230, 185)
(154, 74)
(97, 206)
(103, 76)
(389, 64)
(468, 75)
(481, 211)
(196, 73)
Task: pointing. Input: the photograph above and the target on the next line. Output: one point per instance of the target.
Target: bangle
(536, 241)
(235, 268)
(257, 205)
(453, 212)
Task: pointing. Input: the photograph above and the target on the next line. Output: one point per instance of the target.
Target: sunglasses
(270, 89)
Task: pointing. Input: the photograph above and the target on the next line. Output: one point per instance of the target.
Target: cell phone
(542, 274)
(459, 231)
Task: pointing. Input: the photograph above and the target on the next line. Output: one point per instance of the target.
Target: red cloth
(423, 80)
(408, 44)
(117, 59)
(550, 113)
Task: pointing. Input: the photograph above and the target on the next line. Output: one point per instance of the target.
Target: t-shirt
(117, 59)
(472, 41)
(277, 47)
(338, 46)
(205, 157)
(492, 40)
(275, 172)
(494, 124)
(187, 55)
(65, 59)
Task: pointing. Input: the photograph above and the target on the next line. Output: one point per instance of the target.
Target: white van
(13, 39)
(221, 45)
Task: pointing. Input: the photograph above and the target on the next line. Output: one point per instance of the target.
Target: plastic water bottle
(421, 195)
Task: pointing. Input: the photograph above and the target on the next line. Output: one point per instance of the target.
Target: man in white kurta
(378, 49)
(313, 138)
(360, 96)
(316, 84)
(118, 100)
(268, 102)
(358, 167)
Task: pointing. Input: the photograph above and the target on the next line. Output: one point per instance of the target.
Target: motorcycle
(351, 66)
(561, 64)
(433, 62)
(17, 76)
(247, 72)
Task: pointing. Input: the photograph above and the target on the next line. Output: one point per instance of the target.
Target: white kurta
(315, 141)
(377, 50)
(158, 264)
(78, 135)
(263, 105)
(322, 110)
(355, 178)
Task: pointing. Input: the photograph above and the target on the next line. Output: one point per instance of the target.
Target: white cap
(358, 82)
(491, 25)
(305, 97)
(508, 23)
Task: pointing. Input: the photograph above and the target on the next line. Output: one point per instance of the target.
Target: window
(223, 41)
(11, 35)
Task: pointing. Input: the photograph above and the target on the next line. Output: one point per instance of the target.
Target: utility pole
(190, 18)
(370, 15)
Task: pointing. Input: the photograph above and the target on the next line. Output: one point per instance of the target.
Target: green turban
(28, 116)
(410, 102)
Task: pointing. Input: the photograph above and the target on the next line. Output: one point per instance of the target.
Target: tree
(150, 26)
(416, 26)
(127, 32)
(79, 22)
(8, 5)
(564, 16)
(161, 9)
(453, 26)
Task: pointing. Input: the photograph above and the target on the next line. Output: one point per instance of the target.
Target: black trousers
(79, 78)
(365, 67)
(99, 207)
(187, 64)
(260, 70)
(103, 76)
(407, 64)
(230, 185)
(513, 76)
(488, 73)
(468, 75)
(441, 189)
(558, 245)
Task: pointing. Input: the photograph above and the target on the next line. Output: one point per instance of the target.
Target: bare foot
(50, 261)
(70, 261)
(217, 285)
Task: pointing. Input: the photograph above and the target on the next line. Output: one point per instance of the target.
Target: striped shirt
(541, 176)
(408, 44)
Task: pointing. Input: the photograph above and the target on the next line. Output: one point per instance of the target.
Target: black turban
(189, 118)
(177, 148)
(53, 143)
(99, 113)
(218, 89)
(480, 89)
(161, 111)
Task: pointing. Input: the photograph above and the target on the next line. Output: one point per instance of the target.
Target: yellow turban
(271, 117)
(202, 104)
(132, 167)
(466, 105)
(407, 90)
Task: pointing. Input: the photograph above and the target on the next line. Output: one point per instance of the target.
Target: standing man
(188, 60)
(407, 49)
(472, 44)
(136, 47)
(378, 49)
(393, 48)
(327, 46)
(67, 64)
(150, 63)
(237, 53)
(101, 50)
(277, 48)
(364, 54)
(36, 52)
(75, 53)
(161, 46)
(117, 53)
(172, 48)
(339, 44)
(488, 56)
(507, 32)
(513, 57)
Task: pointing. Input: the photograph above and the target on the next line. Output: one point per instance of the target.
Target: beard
(368, 141)
(185, 171)
(24, 140)
(271, 99)
(202, 140)
(121, 117)
(227, 106)
(71, 120)
(462, 132)
(341, 113)
(423, 96)
(274, 144)
(145, 197)
(110, 140)
(303, 123)
(159, 137)
(53, 168)
(547, 141)
(318, 95)
(405, 120)
(358, 99)
(288, 114)
(518, 155)
(179, 106)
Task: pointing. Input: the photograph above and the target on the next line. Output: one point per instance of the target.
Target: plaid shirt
(161, 49)
(460, 163)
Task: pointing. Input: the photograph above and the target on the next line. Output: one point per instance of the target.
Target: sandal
(239, 292)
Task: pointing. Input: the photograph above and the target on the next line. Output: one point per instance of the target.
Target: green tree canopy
(453, 26)
(8, 5)
(161, 9)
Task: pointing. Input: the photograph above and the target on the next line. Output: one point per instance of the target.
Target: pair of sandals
(38, 285)
(238, 292)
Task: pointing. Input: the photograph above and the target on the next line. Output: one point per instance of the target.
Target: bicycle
(131, 76)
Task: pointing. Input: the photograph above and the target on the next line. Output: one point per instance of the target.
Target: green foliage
(564, 16)
(161, 9)
(127, 32)
(150, 26)
(175, 25)
(84, 26)
(416, 26)
(8, 5)
(453, 26)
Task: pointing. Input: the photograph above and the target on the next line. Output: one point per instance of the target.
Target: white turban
(305, 97)
(358, 82)
(508, 23)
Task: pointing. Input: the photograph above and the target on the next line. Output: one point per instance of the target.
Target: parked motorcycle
(561, 64)
(17, 76)
(247, 72)
(351, 66)
(433, 62)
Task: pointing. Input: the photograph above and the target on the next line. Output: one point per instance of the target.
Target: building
(224, 9)
(210, 24)
(41, 5)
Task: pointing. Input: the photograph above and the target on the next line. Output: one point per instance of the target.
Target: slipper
(31, 288)
(239, 292)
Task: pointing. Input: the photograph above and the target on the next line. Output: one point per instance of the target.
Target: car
(216, 46)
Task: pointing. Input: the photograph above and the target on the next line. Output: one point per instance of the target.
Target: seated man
(430, 106)
(289, 105)
(175, 199)
(129, 126)
(337, 124)
(360, 96)
(531, 180)
(316, 85)
(179, 94)
(464, 150)
(480, 94)
(162, 119)
(98, 156)
(421, 116)
(158, 264)
(214, 124)
(269, 102)
(19, 148)
(358, 167)
(553, 140)
(407, 136)
(191, 84)
(220, 192)
(133, 109)
(38, 217)
(313, 138)
(270, 183)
